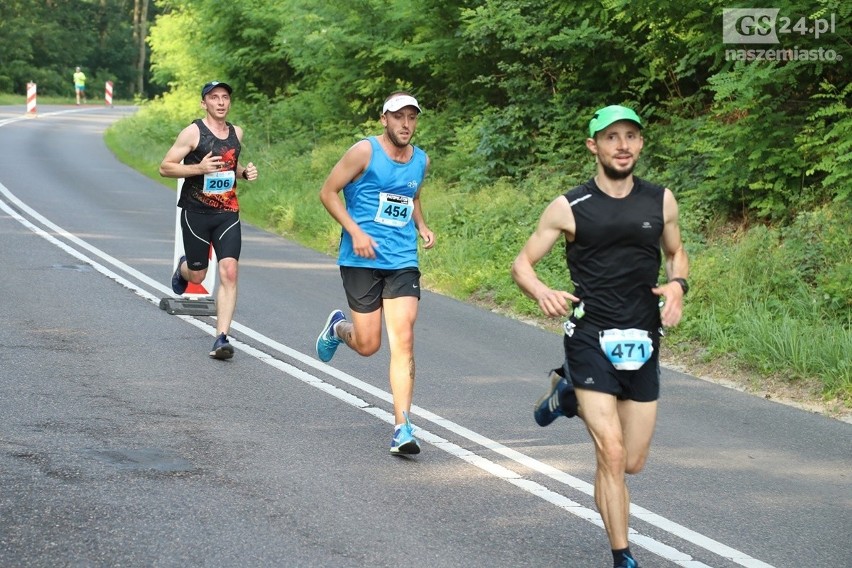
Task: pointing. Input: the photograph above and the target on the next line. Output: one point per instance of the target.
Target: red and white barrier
(108, 93)
(31, 98)
(194, 291)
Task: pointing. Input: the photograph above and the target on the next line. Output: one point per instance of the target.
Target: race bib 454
(394, 210)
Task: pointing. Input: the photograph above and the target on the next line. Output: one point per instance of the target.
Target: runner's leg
(400, 315)
(364, 333)
(638, 420)
(226, 295)
(600, 413)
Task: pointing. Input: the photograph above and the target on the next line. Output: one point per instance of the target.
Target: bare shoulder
(558, 215)
(559, 206)
(358, 155)
(190, 135)
(361, 148)
(187, 140)
(670, 209)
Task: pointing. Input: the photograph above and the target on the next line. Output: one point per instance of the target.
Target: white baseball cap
(393, 104)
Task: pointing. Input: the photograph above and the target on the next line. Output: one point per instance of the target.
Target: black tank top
(614, 260)
(192, 195)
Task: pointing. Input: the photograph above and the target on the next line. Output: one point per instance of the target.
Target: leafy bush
(757, 153)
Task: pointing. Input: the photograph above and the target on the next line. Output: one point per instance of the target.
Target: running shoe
(327, 342)
(628, 563)
(179, 283)
(221, 348)
(403, 441)
(560, 400)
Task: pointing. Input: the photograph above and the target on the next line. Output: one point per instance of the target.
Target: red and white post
(194, 291)
(31, 98)
(108, 93)
(197, 299)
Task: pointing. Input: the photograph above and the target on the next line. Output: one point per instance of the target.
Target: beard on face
(617, 175)
(395, 140)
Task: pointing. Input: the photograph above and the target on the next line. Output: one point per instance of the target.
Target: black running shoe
(560, 400)
(222, 349)
(179, 283)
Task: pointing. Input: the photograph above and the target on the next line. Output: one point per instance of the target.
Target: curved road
(123, 443)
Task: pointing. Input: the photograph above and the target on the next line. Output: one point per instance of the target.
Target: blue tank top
(381, 202)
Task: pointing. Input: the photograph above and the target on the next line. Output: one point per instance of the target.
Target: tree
(140, 40)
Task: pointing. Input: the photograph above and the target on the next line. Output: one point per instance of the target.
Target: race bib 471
(627, 349)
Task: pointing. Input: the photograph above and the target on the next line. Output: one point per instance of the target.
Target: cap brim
(207, 88)
(608, 116)
(395, 103)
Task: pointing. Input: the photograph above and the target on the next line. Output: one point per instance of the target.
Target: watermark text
(794, 54)
(764, 25)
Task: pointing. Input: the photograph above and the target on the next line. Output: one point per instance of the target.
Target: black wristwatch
(683, 284)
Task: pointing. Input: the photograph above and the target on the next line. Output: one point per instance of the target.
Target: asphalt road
(123, 444)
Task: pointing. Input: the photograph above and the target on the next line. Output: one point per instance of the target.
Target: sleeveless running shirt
(212, 193)
(614, 260)
(381, 201)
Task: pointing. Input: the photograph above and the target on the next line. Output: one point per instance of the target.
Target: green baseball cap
(607, 115)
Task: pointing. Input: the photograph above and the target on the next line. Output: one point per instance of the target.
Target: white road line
(532, 487)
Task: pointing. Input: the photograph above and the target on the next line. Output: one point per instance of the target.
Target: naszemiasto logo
(761, 27)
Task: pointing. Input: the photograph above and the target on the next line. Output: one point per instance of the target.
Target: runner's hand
(428, 238)
(364, 245)
(211, 163)
(556, 303)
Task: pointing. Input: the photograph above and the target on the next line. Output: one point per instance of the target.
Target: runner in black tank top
(206, 154)
(614, 260)
(193, 197)
(614, 226)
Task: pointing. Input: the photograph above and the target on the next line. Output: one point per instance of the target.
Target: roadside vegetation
(757, 152)
(760, 302)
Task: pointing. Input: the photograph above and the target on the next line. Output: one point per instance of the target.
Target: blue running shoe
(327, 342)
(628, 562)
(179, 283)
(560, 400)
(403, 441)
(221, 348)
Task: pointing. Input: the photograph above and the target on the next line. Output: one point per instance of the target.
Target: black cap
(212, 85)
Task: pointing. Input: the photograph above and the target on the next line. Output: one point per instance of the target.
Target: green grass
(7, 99)
(144, 158)
(760, 300)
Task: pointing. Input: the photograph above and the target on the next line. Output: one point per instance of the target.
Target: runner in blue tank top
(614, 226)
(381, 178)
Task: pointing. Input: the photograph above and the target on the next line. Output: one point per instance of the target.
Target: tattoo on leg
(411, 368)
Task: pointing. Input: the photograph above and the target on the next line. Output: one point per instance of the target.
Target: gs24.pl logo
(763, 25)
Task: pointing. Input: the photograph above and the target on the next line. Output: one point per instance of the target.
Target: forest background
(757, 152)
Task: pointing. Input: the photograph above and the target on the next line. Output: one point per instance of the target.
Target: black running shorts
(590, 369)
(200, 230)
(366, 287)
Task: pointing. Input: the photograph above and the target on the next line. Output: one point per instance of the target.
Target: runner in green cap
(615, 226)
(607, 115)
